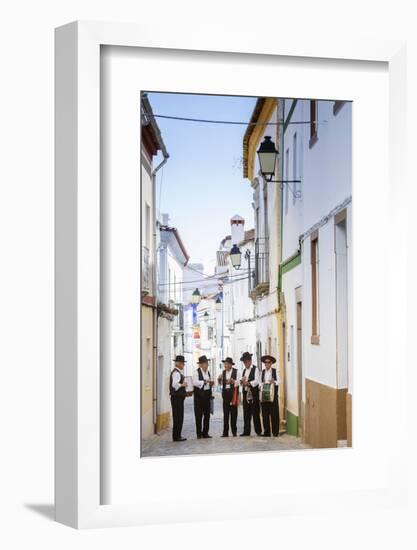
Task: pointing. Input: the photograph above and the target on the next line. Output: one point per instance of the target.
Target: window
(313, 122)
(259, 352)
(337, 105)
(294, 165)
(315, 338)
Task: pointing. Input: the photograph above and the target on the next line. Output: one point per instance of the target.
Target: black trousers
(177, 404)
(251, 409)
(229, 413)
(202, 411)
(270, 417)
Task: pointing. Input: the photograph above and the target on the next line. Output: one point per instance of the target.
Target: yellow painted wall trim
(162, 421)
(270, 104)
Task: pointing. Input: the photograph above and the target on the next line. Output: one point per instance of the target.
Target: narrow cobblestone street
(162, 444)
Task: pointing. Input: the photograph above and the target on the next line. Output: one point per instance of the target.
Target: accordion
(268, 393)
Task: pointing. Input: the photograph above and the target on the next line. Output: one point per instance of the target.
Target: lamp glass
(236, 257)
(267, 155)
(196, 297)
(267, 163)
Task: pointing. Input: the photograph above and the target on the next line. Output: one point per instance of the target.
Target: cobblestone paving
(162, 444)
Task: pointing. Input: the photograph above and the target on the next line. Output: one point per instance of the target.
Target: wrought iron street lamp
(236, 256)
(196, 297)
(218, 304)
(268, 155)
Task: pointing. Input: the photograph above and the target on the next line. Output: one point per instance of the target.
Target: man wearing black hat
(229, 381)
(202, 396)
(270, 410)
(177, 393)
(250, 386)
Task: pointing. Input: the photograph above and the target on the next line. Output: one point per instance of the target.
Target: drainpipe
(155, 292)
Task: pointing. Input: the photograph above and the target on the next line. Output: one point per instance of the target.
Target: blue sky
(201, 187)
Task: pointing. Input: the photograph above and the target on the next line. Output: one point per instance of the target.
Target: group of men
(259, 395)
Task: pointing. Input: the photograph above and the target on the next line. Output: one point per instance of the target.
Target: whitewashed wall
(266, 306)
(327, 166)
(176, 269)
(320, 360)
(350, 299)
(325, 170)
(290, 282)
(291, 151)
(188, 340)
(148, 224)
(243, 337)
(165, 365)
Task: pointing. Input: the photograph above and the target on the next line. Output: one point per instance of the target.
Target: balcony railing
(251, 272)
(146, 271)
(261, 262)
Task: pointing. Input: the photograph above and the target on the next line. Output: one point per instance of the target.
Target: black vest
(180, 391)
(251, 373)
(234, 376)
(200, 391)
(254, 389)
(274, 374)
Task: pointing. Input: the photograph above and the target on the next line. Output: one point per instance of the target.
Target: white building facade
(202, 334)
(172, 259)
(265, 260)
(239, 325)
(302, 287)
(315, 270)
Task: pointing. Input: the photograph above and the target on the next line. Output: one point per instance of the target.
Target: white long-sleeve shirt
(176, 379)
(268, 377)
(202, 384)
(246, 373)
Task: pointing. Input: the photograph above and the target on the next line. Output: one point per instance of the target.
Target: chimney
(237, 229)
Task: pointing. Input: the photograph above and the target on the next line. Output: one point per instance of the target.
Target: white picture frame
(190, 386)
(79, 408)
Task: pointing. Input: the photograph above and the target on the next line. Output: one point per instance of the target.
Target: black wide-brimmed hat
(272, 359)
(180, 359)
(228, 360)
(246, 356)
(202, 359)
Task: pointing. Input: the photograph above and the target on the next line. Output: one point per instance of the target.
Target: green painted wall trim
(290, 113)
(291, 263)
(286, 266)
(292, 423)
